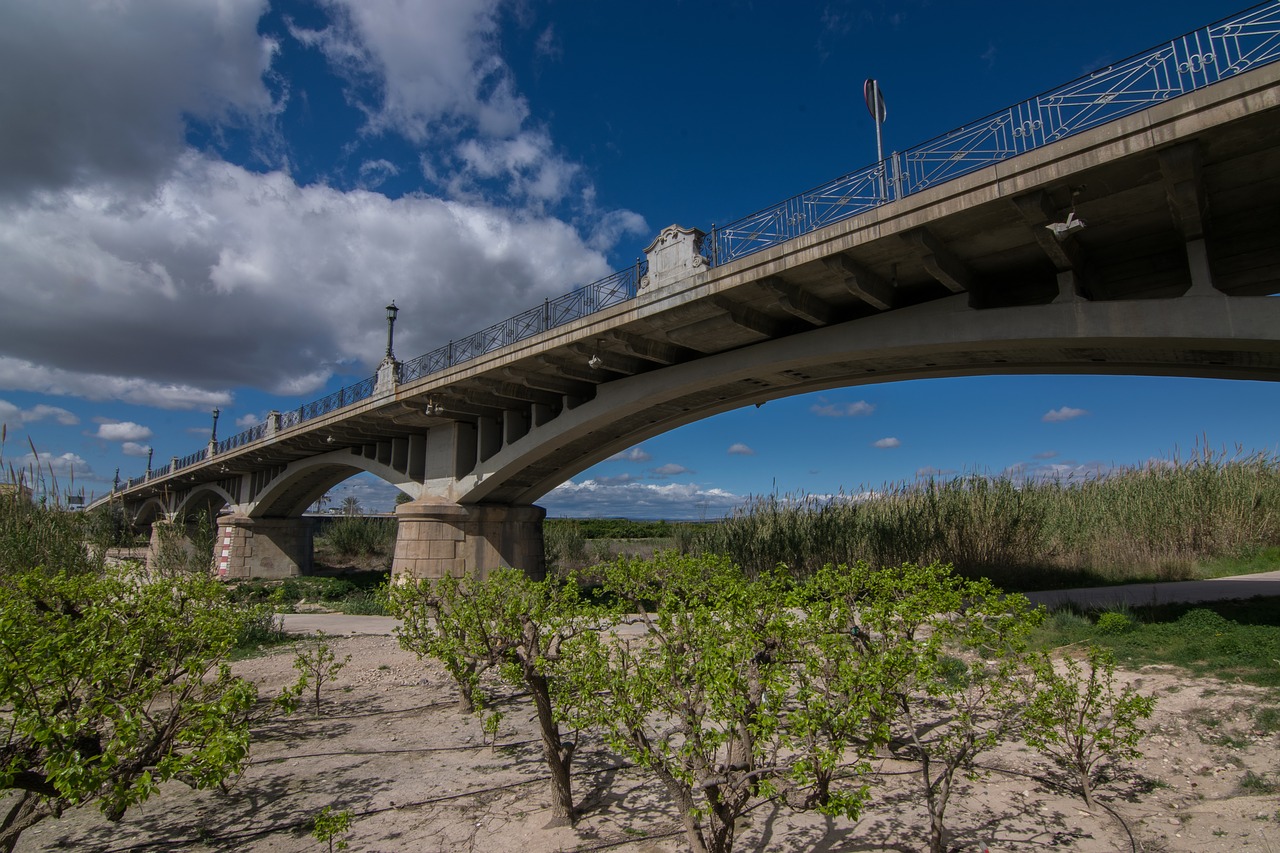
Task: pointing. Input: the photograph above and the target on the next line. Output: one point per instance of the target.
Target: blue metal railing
(610, 290)
(1193, 61)
(1188, 63)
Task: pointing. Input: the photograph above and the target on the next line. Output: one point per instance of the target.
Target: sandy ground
(390, 746)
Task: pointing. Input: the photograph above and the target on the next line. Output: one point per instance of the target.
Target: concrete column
(1201, 274)
(435, 537)
(1068, 287)
(262, 547)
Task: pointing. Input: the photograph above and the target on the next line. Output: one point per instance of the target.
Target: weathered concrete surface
(265, 548)
(436, 537)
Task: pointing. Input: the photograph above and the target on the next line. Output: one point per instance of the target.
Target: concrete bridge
(1145, 244)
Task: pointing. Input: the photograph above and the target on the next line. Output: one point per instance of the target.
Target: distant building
(9, 490)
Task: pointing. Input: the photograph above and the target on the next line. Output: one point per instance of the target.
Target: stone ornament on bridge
(673, 257)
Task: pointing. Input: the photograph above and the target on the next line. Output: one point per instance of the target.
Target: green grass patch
(1255, 784)
(1226, 639)
(1262, 560)
(361, 593)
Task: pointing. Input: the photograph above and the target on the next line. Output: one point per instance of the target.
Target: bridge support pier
(437, 537)
(173, 545)
(262, 547)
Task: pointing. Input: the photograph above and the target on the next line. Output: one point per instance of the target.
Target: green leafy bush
(113, 685)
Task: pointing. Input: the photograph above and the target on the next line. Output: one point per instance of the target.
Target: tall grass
(355, 536)
(1152, 523)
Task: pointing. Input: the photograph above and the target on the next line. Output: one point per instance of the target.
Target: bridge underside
(1174, 272)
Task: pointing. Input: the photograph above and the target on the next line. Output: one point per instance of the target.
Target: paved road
(1219, 589)
(1243, 586)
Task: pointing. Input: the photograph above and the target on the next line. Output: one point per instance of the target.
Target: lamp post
(150, 450)
(213, 435)
(392, 311)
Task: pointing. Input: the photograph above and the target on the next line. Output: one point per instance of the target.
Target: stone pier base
(267, 548)
(436, 537)
(172, 546)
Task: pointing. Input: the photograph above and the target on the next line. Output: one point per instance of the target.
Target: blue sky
(208, 204)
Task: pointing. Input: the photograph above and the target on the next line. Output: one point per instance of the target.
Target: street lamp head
(392, 311)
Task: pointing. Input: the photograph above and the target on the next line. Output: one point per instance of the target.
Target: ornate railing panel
(578, 303)
(1196, 60)
(249, 436)
(193, 458)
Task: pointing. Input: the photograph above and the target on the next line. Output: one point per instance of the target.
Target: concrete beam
(512, 391)
(1038, 211)
(747, 317)
(553, 384)
(798, 303)
(614, 362)
(647, 348)
(1180, 166)
(938, 260)
(579, 372)
(862, 283)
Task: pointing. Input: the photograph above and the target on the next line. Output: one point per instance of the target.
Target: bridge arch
(301, 483)
(1193, 336)
(209, 498)
(151, 509)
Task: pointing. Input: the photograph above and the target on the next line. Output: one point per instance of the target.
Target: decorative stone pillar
(437, 537)
(673, 257)
(268, 548)
(388, 376)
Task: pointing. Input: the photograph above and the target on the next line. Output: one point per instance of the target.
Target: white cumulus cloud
(123, 431)
(886, 443)
(1065, 413)
(594, 498)
(843, 410)
(740, 449)
(16, 417)
(635, 454)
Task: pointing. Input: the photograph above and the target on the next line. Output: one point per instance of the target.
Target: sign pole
(875, 106)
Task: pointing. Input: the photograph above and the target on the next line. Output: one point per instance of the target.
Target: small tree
(111, 686)
(510, 622)
(707, 700)
(332, 826)
(1080, 721)
(949, 656)
(316, 664)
